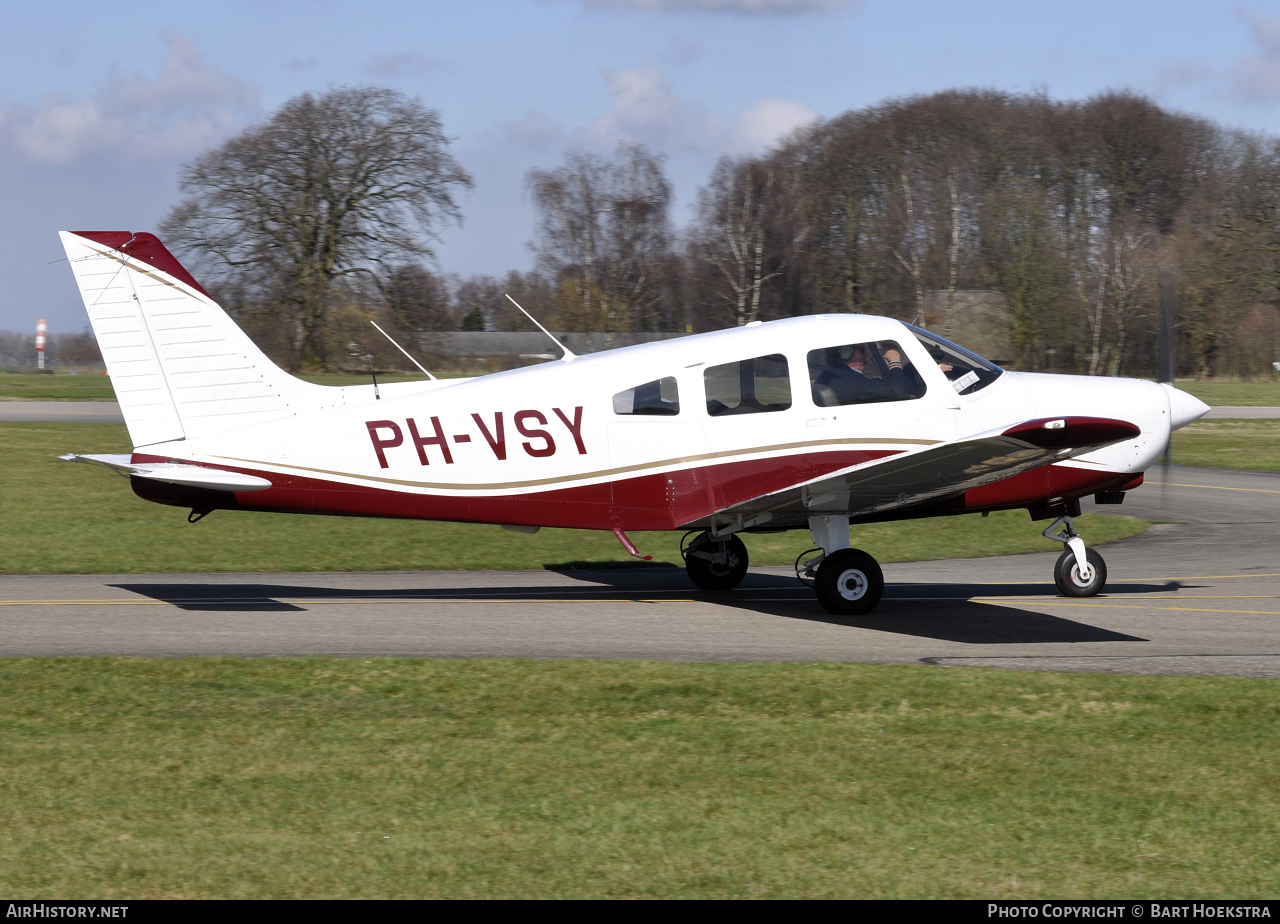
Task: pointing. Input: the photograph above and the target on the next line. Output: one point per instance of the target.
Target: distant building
(980, 321)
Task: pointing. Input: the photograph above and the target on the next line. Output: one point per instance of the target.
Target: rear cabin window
(750, 386)
(862, 373)
(659, 398)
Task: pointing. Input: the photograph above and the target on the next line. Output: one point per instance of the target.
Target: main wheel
(716, 565)
(1066, 574)
(849, 583)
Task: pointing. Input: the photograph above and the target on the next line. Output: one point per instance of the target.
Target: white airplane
(812, 422)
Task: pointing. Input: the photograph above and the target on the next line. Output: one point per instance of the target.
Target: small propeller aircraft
(804, 423)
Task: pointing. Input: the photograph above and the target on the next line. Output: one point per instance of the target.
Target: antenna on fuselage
(568, 353)
(404, 351)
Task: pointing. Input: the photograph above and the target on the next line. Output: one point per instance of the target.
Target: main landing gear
(1080, 572)
(847, 582)
(714, 564)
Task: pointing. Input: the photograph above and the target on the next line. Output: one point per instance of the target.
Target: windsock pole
(42, 328)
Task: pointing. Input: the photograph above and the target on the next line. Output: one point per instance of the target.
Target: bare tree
(603, 234)
(347, 183)
(733, 222)
(418, 299)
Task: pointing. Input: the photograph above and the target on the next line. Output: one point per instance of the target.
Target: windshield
(967, 371)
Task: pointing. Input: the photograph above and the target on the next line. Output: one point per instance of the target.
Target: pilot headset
(846, 353)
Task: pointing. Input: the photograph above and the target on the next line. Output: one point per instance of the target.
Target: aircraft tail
(180, 367)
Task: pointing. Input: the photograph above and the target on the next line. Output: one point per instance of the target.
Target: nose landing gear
(1080, 572)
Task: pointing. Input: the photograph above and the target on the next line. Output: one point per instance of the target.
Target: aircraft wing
(935, 472)
(190, 476)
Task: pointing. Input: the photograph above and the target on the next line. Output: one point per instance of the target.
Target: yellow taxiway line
(1212, 487)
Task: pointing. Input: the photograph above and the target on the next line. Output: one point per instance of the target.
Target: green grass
(59, 517)
(1234, 394)
(85, 386)
(1247, 444)
(93, 386)
(325, 778)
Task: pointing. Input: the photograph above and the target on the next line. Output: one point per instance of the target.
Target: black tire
(1066, 574)
(725, 572)
(849, 583)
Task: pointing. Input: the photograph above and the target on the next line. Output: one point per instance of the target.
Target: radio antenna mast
(404, 351)
(568, 353)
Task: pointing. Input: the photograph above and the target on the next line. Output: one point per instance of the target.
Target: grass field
(1234, 394)
(97, 387)
(1247, 444)
(326, 778)
(59, 517)
(85, 386)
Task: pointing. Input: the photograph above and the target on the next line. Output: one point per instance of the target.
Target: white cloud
(404, 64)
(766, 123)
(185, 108)
(739, 7)
(647, 110)
(1257, 77)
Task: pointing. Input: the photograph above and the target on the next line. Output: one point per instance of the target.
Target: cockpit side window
(967, 371)
(862, 373)
(750, 386)
(659, 398)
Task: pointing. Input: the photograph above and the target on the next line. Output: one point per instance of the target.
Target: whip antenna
(568, 353)
(404, 351)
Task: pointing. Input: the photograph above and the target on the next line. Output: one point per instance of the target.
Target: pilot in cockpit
(846, 373)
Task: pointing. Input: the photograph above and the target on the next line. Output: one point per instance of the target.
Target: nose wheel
(1080, 572)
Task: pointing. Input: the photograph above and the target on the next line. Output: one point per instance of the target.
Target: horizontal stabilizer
(191, 476)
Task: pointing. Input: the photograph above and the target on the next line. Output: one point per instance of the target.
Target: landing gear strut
(847, 582)
(1080, 572)
(714, 564)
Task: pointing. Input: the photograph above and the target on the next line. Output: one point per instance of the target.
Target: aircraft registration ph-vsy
(805, 423)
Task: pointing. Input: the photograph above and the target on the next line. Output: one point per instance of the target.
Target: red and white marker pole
(42, 328)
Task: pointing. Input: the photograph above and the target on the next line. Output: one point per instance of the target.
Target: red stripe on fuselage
(663, 500)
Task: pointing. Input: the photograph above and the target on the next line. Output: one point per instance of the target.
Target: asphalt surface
(60, 412)
(1197, 596)
(1228, 412)
(109, 412)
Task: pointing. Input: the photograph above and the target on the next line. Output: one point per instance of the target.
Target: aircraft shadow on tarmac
(938, 611)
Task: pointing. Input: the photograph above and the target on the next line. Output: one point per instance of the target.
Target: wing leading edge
(916, 478)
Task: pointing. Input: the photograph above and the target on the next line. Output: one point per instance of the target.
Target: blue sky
(101, 104)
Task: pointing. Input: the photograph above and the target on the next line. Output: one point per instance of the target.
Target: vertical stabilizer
(180, 367)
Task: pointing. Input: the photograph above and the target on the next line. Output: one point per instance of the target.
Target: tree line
(1064, 223)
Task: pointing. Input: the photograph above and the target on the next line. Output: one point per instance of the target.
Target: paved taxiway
(60, 412)
(1199, 596)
